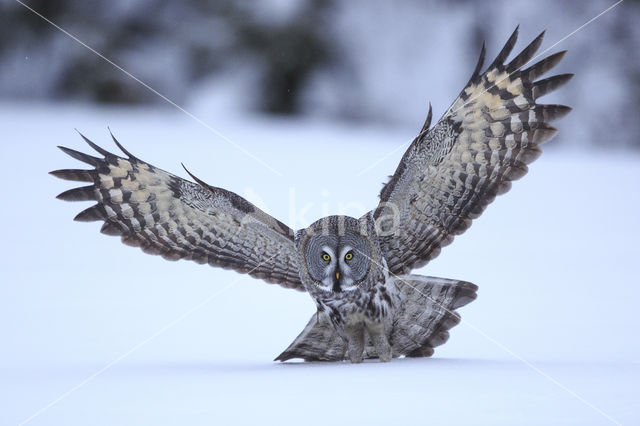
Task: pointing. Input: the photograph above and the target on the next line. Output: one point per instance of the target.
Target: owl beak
(336, 283)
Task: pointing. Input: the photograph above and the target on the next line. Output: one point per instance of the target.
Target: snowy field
(551, 339)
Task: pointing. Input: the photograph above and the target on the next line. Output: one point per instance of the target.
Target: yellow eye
(326, 257)
(348, 256)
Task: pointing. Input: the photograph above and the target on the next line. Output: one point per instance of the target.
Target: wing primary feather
(427, 121)
(75, 175)
(543, 133)
(199, 181)
(542, 87)
(526, 54)
(541, 67)
(94, 146)
(81, 156)
(83, 193)
(111, 228)
(92, 214)
(553, 112)
(506, 50)
(127, 153)
(476, 71)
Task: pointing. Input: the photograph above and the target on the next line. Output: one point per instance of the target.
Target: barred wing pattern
(451, 172)
(177, 219)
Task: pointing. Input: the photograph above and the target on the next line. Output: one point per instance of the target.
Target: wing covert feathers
(484, 141)
(177, 219)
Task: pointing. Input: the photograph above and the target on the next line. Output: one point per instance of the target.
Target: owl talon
(385, 355)
(355, 358)
(355, 341)
(380, 341)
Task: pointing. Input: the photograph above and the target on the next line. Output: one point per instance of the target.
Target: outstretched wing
(452, 171)
(177, 219)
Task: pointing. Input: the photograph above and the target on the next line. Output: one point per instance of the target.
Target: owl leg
(355, 341)
(380, 341)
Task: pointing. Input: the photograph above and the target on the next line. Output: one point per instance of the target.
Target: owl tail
(319, 341)
(424, 313)
(427, 312)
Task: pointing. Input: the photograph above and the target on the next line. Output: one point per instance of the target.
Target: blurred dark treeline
(367, 60)
(167, 44)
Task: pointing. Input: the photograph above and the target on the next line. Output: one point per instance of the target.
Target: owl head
(338, 254)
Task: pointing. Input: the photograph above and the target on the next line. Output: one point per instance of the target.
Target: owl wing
(177, 219)
(451, 172)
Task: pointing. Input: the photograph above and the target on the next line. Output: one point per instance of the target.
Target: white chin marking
(349, 287)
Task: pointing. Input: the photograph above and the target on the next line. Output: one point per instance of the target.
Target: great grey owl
(356, 270)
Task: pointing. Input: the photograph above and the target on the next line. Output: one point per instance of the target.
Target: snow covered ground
(552, 338)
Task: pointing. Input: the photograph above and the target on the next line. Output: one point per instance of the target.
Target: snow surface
(551, 339)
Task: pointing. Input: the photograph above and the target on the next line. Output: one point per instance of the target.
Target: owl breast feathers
(356, 270)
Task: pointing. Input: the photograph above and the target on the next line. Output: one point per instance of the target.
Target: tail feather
(319, 341)
(423, 315)
(427, 312)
